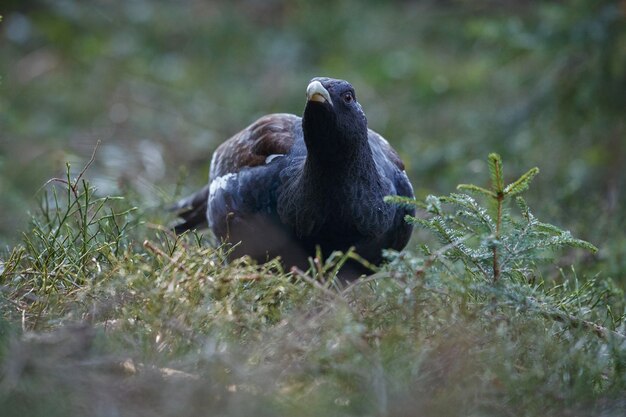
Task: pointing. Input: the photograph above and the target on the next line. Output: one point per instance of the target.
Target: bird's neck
(335, 161)
(339, 199)
(329, 151)
(331, 145)
(337, 182)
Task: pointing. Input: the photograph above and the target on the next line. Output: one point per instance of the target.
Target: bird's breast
(341, 211)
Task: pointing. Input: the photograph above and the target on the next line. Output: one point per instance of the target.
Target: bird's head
(333, 120)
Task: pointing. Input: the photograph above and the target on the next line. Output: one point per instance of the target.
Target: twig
(365, 280)
(167, 230)
(573, 321)
(148, 245)
(300, 274)
(248, 277)
(93, 158)
(73, 185)
(179, 265)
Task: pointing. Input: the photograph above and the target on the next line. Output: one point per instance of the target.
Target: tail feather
(192, 210)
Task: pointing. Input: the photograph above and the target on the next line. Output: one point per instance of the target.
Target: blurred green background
(162, 83)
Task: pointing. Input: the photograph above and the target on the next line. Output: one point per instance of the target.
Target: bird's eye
(348, 97)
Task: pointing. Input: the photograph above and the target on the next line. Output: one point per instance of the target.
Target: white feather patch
(273, 156)
(220, 183)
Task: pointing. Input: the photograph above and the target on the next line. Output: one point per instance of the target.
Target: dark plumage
(286, 184)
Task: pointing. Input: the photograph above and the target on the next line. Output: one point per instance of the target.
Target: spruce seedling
(488, 239)
(499, 194)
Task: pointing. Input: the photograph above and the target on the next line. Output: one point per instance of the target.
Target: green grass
(105, 312)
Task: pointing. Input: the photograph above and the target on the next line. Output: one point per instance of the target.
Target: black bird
(285, 184)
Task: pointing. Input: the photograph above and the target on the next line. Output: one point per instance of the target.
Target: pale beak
(316, 92)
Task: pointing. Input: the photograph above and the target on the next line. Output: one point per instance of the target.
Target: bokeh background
(162, 83)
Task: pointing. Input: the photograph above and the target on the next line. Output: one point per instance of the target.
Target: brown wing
(377, 141)
(273, 134)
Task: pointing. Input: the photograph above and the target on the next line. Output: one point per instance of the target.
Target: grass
(104, 313)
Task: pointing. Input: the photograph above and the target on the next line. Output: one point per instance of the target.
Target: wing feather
(259, 143)
(273, 134)
(378, 142)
